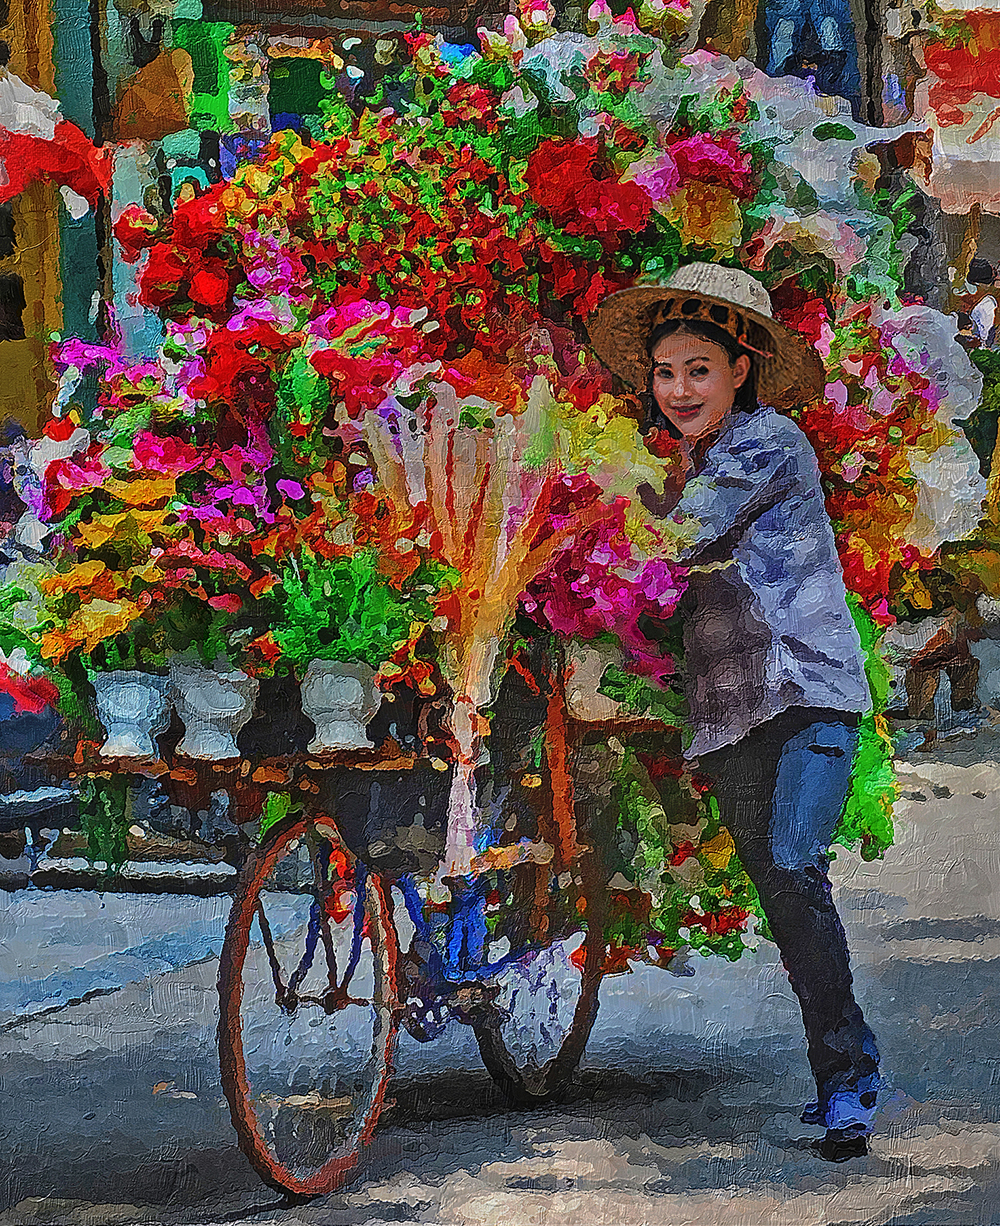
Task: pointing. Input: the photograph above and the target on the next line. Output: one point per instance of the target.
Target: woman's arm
(752, 467)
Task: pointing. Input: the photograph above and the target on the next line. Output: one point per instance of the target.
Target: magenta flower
(658, 175)
(603, 585)
(714, 158)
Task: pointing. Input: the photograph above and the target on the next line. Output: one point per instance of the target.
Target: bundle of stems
(492, 508)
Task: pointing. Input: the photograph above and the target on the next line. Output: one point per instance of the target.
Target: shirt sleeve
(747, 472)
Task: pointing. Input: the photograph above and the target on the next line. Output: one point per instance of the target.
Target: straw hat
(788, 372)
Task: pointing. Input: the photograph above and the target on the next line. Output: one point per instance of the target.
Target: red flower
(720, 923)
(967, 65)
(468, 103)
(165, 276)
(238, 365)
(682, 852)
(136, 230)
(66, 479)
(59, 429)
(614, 71)
(210, 285)
(30, 694)
(199, 222)
(714, 158)
(582, 197)
(227, 603)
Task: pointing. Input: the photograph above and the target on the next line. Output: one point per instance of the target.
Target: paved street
(686, 1111)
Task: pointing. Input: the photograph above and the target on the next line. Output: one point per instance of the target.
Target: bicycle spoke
(272, 957)
(321, 879)
(306, 1084)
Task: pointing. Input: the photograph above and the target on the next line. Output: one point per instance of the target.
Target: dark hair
(745, 400)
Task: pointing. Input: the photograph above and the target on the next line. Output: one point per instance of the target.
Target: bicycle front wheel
(307, 1026)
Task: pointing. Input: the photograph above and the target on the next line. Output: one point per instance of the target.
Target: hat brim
(619, 330)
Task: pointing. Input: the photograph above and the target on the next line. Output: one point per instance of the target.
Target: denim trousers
(781, 790)
(785, 22)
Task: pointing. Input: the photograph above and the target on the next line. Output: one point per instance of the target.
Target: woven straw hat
(788, 371)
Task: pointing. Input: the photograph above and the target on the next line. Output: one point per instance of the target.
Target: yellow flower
(605, 443)
(143, 492)
(720, 850)
(706, 216)
(81, 577)
(127, 525)
(92, 624)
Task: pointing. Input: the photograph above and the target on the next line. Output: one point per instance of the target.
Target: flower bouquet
(499, 520)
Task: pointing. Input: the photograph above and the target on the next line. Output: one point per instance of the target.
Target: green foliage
(980, 426)
(276, 807)
(15, 610)
(641, 698)
(105, 814)
(834, 131)
(148, 646)
(344, 609)
(867, 815)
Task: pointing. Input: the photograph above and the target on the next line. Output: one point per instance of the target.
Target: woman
(774, 671)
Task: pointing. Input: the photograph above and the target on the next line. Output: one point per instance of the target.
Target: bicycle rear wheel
(534, 1032)
(307, 1026)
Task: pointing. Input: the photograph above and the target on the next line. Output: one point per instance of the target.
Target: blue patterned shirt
(766, 625)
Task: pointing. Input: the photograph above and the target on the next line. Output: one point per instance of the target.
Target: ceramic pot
(341, 700)
(213, 704)
(134, 708)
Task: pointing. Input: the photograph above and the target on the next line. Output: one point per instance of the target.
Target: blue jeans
(785, 22)
(781, 790)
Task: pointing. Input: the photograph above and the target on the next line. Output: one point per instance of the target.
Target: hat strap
(688, 310)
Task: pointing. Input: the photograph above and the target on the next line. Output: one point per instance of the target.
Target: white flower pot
(213, 704)
(340, 699)
(134, 708)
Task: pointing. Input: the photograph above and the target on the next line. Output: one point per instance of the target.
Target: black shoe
(835, 1147)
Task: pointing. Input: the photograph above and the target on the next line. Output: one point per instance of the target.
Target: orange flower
(91, 577)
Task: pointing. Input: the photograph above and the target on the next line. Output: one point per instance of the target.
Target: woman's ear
(741, 368)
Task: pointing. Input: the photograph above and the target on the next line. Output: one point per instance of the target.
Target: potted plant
(339, 620)
(155, 519)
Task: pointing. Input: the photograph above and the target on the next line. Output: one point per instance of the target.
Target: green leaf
(834, 131)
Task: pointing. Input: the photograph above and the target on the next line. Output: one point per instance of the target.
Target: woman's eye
(699, 372)
(661, 372)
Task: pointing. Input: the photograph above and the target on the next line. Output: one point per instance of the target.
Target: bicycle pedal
(425, 1020)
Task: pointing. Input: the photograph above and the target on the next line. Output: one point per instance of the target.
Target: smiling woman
(772, 662)
(695, 376)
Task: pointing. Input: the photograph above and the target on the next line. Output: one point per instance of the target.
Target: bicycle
(337, 938)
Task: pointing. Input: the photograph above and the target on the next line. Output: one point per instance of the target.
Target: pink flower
(600, 586)
(290, 488)
(716, 159)
(657, 174)
(163, 455)
(229, 603)
(81, 355)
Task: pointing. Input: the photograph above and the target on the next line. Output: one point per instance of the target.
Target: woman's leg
(780, 792)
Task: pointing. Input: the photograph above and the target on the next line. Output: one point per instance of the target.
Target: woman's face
(693, 383)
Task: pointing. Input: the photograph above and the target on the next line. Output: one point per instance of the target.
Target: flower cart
(375, 469)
